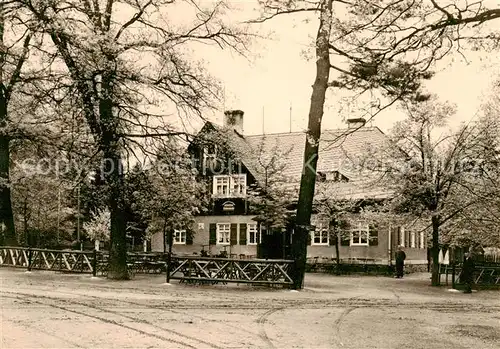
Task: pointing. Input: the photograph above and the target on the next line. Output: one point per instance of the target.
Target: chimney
(234, 119)
(356, 123)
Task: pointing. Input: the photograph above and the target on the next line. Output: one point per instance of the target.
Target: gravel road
(53, 310)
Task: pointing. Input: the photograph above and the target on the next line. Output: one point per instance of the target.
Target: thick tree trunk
(435, 280)
(308, 180)
(113, 174)
(7, 229)
(117, 268)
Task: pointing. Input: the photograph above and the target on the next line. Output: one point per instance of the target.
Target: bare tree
(436, 180)
(15, 39)
(389, 45)
(122, 69)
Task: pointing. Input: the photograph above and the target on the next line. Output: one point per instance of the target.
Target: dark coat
(468, 269)
(400, 256)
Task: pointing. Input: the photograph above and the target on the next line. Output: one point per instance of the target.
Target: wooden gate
(205, 270)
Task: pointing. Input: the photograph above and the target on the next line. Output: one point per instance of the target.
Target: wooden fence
(190, 269)
(94, 262)
(206, 270)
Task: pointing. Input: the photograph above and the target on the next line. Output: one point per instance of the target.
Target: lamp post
(78, 219)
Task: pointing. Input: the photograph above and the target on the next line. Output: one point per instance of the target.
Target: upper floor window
(331, 176)
(360, 235)
(210, 151)
(230, 185)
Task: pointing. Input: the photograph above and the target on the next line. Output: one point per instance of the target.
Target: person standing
(468, 272)
(400, 262)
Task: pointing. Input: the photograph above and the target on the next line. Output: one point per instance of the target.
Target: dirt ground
(52, 310)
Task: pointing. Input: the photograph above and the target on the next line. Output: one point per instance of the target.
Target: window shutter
(373, 235)
(212, 240)
(234, 234)
(345, 238)
(189, 237)
(243, 234)
(398, 233)
(407, 238)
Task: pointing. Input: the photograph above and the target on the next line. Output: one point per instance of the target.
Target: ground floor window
(320, 236)
(360, 235)
(179, 237)
(223, 233)
(413, 242)
(401, 237)
(422, 239)
(253, 236)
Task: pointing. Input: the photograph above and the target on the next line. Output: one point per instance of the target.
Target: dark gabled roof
(342, 150)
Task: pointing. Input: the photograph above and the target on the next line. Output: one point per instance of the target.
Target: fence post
(94, 262)
(453, 271)
(168, 269)
(30, 256)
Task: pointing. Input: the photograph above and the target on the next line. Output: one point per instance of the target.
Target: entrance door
(272, 245)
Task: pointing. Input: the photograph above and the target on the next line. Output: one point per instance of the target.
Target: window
(210, 158)
(238, 185)
(320, 236)
(221, 185)
(331, 176)
(179, 237)
(223, 233)
(422, 240)
(413, 240)
(402, 237)
(360, 235)
(253, 236)
(230, 185)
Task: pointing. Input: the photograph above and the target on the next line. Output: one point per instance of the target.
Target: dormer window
(336, 176)
(210, 152)
(332, 176)
(230, 185)
(211, 162)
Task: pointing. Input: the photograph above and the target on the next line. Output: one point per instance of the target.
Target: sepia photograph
(214, 174)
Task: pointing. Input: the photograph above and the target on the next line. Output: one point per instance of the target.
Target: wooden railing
(35, 258)
(206, 270)
(95, 262)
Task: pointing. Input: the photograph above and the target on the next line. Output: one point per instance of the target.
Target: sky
(273, 84)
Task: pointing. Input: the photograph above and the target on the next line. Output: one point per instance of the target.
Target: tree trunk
(25, 221)
(7, 228)
(435, 250)
(165, 235)
(113, 175)
(337, 251)
(117, 268)
(308, 179)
